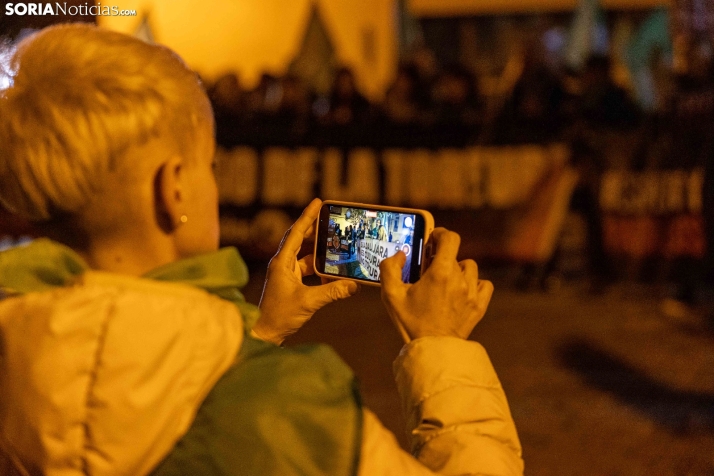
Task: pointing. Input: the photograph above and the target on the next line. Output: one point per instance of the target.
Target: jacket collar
(44, 264)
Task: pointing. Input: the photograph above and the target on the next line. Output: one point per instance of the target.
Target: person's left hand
(287, 303)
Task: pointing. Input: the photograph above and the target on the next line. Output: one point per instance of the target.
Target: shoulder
(103, 305)
(114, 363)
(276, 411)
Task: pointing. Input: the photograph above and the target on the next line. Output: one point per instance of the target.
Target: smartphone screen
(353, 241)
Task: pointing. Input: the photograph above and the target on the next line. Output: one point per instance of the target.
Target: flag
(588, 34)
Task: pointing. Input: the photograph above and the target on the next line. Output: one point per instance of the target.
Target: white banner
(372, 252)
(475, 177)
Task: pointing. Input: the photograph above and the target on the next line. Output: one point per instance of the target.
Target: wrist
(431, 332)
(265, 334)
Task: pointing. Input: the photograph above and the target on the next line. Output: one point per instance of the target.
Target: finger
(292, 241)
(307, 265)
(447, 247)
(310, 233)
(320, 296)
(470, 272)
(485, 291)
(390, 273)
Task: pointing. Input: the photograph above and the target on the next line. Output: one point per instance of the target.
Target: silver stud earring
(183, 218)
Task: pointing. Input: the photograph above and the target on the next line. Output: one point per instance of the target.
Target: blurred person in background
(455, 106)
(265, 97)
(346, 104)
(227, 97)
(127, 347)
(691, 122)
(708, 213)
(603, 104)
(401, 105)
(261, 107)
(402, 114)
(604, 119)
(534, 111)
(229, 107)
(293, 111)
(427, 68)
(454, 97)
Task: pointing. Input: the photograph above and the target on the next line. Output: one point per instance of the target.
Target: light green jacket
(105, 374)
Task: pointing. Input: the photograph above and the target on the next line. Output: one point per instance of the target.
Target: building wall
(255, 36)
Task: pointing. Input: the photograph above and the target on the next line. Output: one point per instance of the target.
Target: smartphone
(353, 238)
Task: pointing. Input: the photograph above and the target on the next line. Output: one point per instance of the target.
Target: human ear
(169, 199)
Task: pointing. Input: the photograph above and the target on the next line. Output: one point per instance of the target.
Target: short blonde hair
(81, 97)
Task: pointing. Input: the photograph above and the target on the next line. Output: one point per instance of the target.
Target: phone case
(426, 251)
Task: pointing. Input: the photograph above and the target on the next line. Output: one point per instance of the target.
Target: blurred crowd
(445, 106)
(280, 110)
(434, 106)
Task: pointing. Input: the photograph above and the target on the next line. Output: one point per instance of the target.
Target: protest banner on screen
(372, 252)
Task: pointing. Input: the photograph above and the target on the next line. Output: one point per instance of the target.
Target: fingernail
(352, 288)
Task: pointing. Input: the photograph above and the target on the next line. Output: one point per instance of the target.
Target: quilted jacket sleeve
(456, 413)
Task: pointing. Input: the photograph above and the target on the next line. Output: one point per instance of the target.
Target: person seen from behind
(127, 347)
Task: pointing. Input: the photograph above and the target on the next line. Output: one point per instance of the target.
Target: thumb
(324, 294)
(390, 271)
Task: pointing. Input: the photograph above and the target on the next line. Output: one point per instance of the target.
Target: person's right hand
(448, 300)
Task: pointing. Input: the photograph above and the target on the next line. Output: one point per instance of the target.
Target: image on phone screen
(359, 239)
